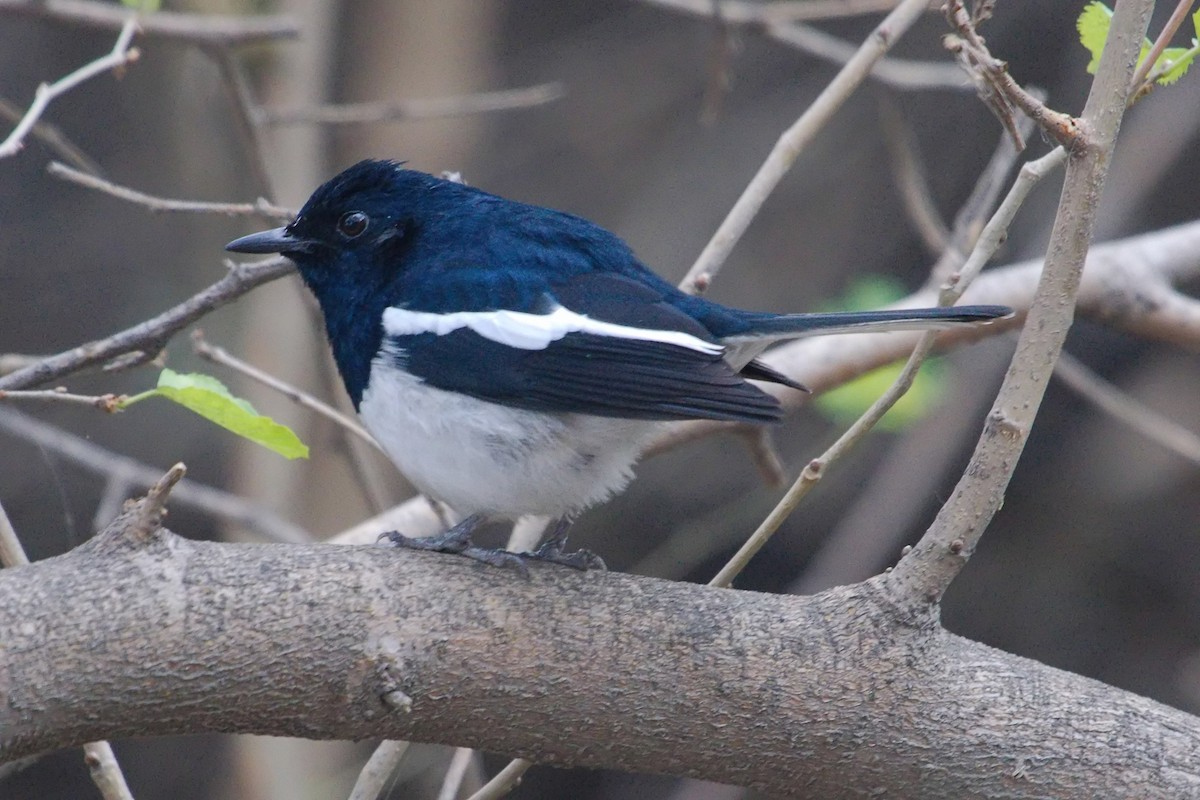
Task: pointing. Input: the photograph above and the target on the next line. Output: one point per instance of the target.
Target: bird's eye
(352, 224)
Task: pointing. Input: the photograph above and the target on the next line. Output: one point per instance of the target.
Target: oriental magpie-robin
(514, 360)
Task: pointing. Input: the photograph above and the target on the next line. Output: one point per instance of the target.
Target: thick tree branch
(828, 696)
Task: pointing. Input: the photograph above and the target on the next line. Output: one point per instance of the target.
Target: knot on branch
(141, 519)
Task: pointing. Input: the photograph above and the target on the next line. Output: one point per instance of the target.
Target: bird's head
(354, 228)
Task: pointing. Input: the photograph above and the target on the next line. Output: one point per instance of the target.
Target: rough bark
(140, 632)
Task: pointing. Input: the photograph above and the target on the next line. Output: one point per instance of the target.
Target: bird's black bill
(276, 240)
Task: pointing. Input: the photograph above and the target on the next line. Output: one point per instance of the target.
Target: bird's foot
(552, 553)
(457, 540)
(456, 545)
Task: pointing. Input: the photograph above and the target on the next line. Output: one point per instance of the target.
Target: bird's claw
(451, 542)
(583, 560)
(455, 543)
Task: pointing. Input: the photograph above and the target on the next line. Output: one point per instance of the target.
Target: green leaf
(846, 403)
(1178, 59)
(145, 6)
(209, 398)
(1093, 26)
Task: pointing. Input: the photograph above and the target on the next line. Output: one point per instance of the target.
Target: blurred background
(1093, 564)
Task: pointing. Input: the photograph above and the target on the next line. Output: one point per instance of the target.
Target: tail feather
(771, 327)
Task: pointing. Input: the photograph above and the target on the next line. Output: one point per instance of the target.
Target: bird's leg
(553, 550)
(457, 540)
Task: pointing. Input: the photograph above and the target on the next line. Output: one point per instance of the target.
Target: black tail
(770, 327)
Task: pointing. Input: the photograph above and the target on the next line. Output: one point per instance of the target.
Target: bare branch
(105, 402)
(12, 554)
(815, 469)
(124, 472)
(1125, 409)
(121, 55)
(1182, 7)
(922, 577)
(105, 771)
(52, 137)
(219, 355)
(200, 29)
(406, 110)
(298, 645)
(379, 767)
(245, 108)
(996, 87)
(259, 208)
(779, 20)
(910, 178)
(147, 338)
(795, 138)
(503, 781)
(896, 73)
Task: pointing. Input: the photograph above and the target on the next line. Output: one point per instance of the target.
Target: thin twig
(762, 450)
(503, 781)
(996, 230)
(201, 29)
(815, 469)
(406, 110)
(744, 13)
(922, 577)
(105, 771)
(996, 86)
(52, 137)
(219, 355)
(813, 10)
(1108, 398)
(795, 138)
(373, 778)
(12, 554)
(978, 208)
(120, 55)
(245, 113)
(455, 772)
(134, 474)
(147, 338)
(910, 178)
(896, 73)
(105, 402)
(986, 246)
(259, 208)
(1160, 44)
(778, 21)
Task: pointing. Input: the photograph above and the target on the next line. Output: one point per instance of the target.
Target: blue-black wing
(595, 374)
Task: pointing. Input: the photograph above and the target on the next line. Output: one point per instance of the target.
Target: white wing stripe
(530, 331)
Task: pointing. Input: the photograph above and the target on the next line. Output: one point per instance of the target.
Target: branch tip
(150, 510)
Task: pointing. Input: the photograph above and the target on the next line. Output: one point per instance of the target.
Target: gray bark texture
(855, 692)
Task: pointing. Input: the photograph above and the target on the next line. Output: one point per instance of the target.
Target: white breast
(481, 457)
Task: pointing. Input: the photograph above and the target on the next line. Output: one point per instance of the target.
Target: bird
(513, 359)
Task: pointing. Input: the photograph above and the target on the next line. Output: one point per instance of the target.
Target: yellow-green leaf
(1179, 59)
(209, 398)
(1093, 26)
(846, 403)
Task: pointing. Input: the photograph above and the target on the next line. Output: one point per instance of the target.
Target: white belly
(485, 458)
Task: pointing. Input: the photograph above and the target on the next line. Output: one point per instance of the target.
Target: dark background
(1093, 563)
